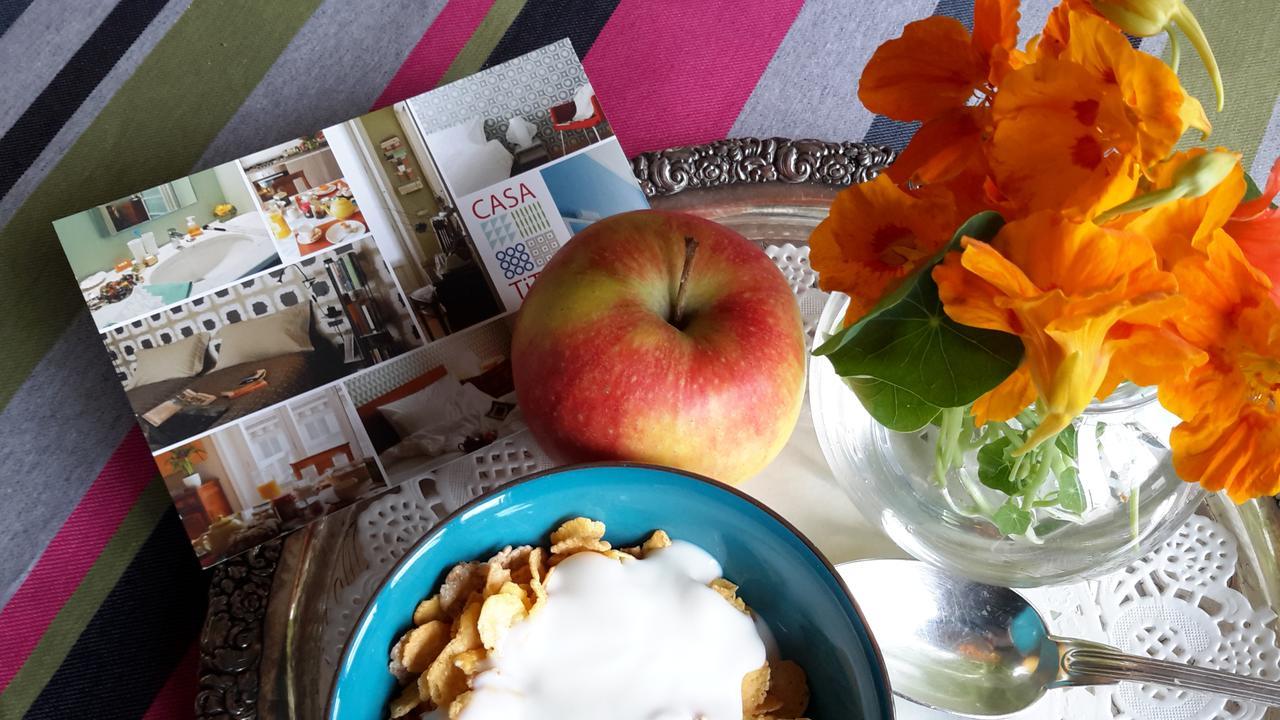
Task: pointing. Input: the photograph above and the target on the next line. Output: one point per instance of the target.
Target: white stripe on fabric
(59, 430)
(809, 89)
(1268, 149)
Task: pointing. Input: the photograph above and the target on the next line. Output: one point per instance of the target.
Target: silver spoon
(981, 650)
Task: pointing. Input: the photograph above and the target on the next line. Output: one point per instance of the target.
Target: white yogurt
(639, 640)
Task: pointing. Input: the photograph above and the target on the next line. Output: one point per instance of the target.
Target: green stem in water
(948, 453)
(1041, 464)
(976, 493)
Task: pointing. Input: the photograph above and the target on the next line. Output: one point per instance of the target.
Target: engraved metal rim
(882, 673)
(228, 685)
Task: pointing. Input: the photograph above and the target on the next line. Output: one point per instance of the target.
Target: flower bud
(1195, 177)
(1202, 173)
(1144, 18)
(1139, 17)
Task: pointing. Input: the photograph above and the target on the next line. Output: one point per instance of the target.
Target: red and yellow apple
(614, 361)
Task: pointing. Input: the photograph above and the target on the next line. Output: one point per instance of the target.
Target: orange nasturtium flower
(875, 235)
(1075, 129)
(940, 74)
(1230, 406)
(1072, 291)
(1255, 226)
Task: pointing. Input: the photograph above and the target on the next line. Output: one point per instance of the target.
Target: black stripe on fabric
(11, 10)
(892, 133)
(136, 637)
(44, 117)
(961, 10)
(542, 22)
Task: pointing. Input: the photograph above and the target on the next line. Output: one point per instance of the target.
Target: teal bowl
(780, 574)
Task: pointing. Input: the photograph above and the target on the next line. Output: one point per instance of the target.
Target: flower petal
(1007, 399)
(931, 68)
(942, 148)
(1262, 203)
(875, 235)
(1055, 114)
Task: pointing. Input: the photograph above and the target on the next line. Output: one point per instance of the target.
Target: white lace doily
(1174, 603)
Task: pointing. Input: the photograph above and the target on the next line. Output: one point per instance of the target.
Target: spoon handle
(1089, 663)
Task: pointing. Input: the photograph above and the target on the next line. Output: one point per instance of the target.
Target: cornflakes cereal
(422, 644)
(455, 630)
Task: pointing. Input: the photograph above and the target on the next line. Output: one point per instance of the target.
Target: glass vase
(1130, 499)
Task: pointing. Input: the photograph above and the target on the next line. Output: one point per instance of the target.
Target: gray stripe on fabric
(59, 430)
(333, 70)
(37, 45)
(89, 109)
(799, 95)
(1268, 148)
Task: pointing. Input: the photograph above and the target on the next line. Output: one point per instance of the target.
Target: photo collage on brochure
(316, 322)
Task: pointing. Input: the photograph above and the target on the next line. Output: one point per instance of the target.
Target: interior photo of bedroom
(145, 251)
(440, 402)
(220, 357)
(270, 473)
(303, 196)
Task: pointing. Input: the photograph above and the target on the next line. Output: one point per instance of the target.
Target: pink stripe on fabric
(177, 697)
(440, 44)
(697, 97)
(73, 551)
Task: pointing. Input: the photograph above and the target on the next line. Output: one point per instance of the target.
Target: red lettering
(510, 199)
(523, 284)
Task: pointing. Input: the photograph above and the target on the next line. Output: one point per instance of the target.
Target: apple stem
(690, 247)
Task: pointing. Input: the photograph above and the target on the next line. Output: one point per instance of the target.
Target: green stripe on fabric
(79, 609)
(472, 56)
(152, 130)
(1244, 40)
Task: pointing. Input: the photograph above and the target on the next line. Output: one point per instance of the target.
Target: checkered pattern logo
(515, 261)
(542, 247)
(499, 230)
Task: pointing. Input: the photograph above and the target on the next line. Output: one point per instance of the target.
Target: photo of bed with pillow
(209, 379)
(232, 352)
(436, 417)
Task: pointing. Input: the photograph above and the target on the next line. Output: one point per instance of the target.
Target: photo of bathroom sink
(216, 260)
(150, 250)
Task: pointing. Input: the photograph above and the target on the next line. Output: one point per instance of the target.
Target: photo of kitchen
(438, 403)
(302, 195)
(270, 473)
(446, 285)
(180, 239)
(217, 358)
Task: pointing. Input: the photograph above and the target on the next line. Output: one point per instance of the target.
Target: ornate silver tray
(279, 614)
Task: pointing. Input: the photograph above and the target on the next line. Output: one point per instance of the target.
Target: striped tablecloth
(102, 598)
